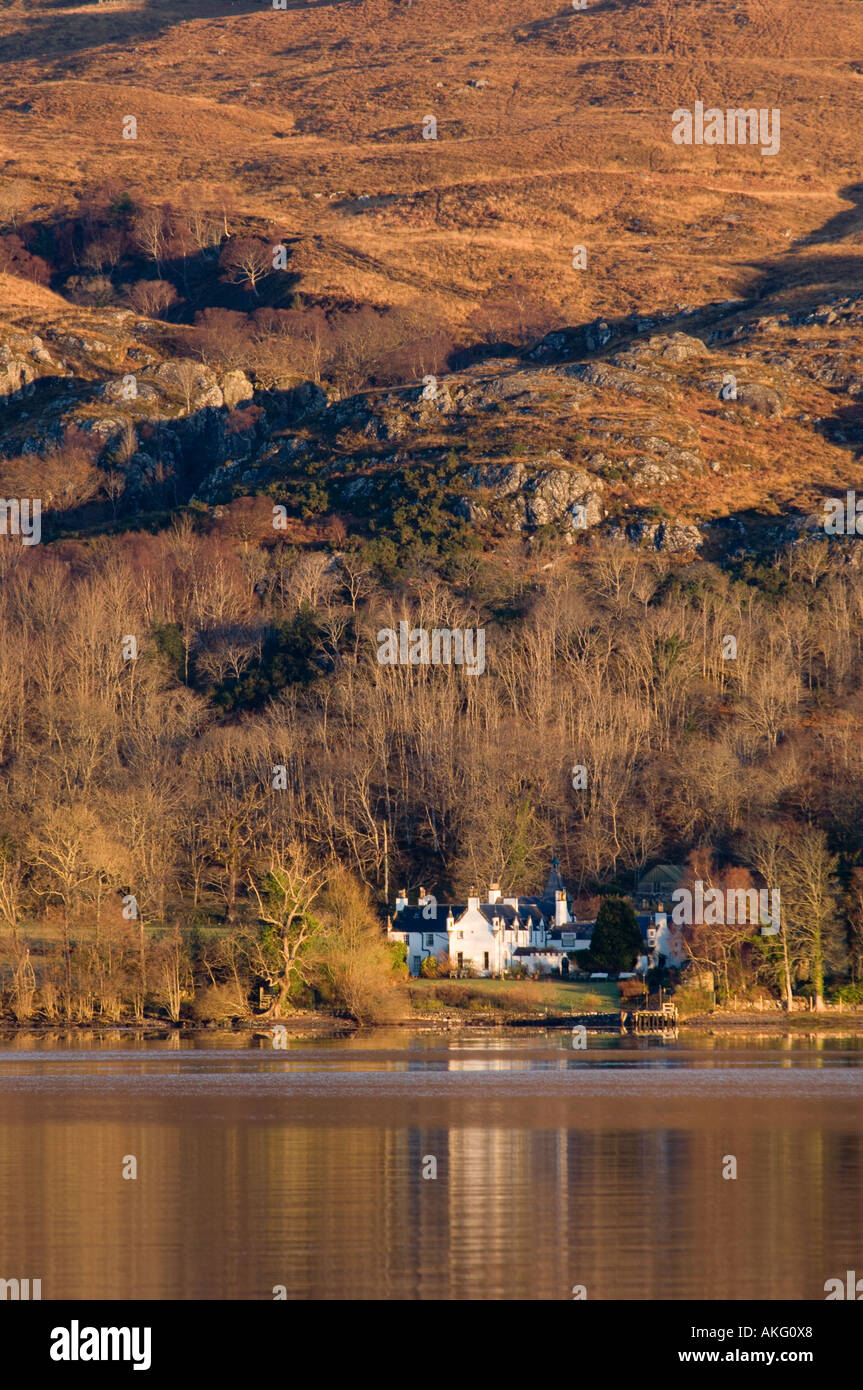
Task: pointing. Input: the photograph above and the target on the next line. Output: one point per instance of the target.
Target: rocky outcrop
(607, 417)
(500, 479)
(538, 493)
(237, 390)
(557, 493)
(672, 537)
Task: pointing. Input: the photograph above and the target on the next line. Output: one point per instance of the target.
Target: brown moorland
(554, 129)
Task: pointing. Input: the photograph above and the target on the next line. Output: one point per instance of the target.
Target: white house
(662, 937)
(501, 934)
(488, 937)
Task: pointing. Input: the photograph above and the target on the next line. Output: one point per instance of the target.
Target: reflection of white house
(502, 934)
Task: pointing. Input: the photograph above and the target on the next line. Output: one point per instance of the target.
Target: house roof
(508, 914)
(412, 919)
(537, 907)
(659, 877)
(554, 883)
(583, 930)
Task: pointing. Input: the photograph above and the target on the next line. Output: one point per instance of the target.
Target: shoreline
(332, 1026)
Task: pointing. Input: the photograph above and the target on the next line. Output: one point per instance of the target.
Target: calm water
(304, 1168)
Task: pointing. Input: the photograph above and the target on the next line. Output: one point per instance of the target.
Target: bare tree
(149, 235)
(151, 297)
(286, 893)
(247, 261)
(188, 377)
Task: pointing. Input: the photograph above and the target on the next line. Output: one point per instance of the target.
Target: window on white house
(429, 938)
(460, 936)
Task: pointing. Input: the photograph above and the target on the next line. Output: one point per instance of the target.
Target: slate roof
(537, 907)
(412, 919)
(508, 914)
(582, 930)
(554, 883)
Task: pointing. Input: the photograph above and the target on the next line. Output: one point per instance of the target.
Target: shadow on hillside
(199, 278)
(805, 280)
(845, 427)
(56, 31)
(792, 282)
(844, 224)
(560, 22)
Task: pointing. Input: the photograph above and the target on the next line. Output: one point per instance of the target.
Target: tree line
(234, 808)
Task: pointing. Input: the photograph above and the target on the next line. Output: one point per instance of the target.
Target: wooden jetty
(649, 1020)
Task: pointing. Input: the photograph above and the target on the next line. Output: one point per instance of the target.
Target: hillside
(305, 126)
(282, 375)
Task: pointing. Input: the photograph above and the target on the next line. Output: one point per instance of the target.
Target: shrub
(849, 994)
(691, 1000)
(399, 953)
(152, 297)
(218, 1004)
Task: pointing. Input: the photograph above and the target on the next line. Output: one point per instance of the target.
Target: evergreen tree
(616, 942)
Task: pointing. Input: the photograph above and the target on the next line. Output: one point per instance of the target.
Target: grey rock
(237, 389)
(673, 537)
(501, 479)
(554, 492)
(609, 378)
(468, 510)
(762, 399)
(655, 475)
(677, 347)
(677, 537)
(358, 487)
(15, 375)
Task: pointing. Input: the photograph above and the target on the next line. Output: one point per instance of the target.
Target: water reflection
(554, 1167)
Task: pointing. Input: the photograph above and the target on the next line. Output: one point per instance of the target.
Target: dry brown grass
(568, 141)
(25, 297)
(288, 117)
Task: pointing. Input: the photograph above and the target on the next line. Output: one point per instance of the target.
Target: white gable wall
(421, 944)
(668, 940)
(473, 937)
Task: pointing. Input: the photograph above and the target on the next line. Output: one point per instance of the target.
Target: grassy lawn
(514, 996)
